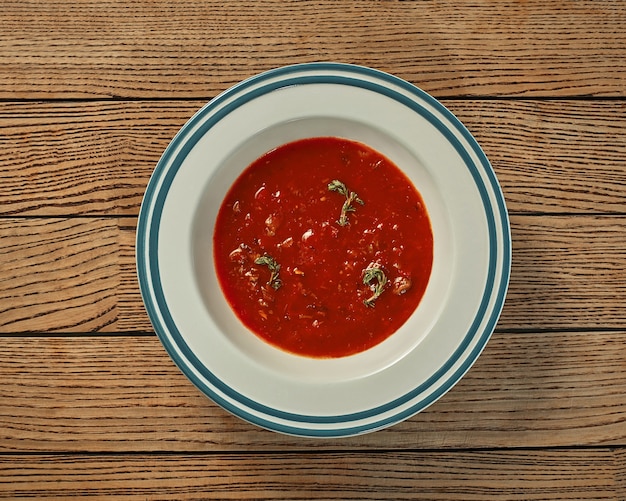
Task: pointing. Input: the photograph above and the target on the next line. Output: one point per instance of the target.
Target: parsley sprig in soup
(323, 247)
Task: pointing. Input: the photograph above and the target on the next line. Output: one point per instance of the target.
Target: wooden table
(91, 92)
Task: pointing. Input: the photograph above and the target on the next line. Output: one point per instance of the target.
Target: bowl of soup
(323, 250)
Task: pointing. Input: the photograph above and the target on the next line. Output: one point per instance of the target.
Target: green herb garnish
(275, 282)
(348, 206)
(375, 278)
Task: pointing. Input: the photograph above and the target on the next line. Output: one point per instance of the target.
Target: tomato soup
(323, 247)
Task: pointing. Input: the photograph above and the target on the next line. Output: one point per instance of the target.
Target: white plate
(288, 393)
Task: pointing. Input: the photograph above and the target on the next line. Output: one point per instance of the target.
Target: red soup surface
(323, 247)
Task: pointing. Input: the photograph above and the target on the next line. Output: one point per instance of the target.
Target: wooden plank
(553, 156)
(82, 158)
(198, 48)
(124, 394)
(566, 267)
(79, 275)
(96, 158)
(512, 475)
(58, 274)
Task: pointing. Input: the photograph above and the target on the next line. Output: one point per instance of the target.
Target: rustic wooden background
(91, 92)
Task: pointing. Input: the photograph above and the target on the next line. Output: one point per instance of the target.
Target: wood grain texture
(196, 48)
(124, 394)
(567, 271)
(69, 275)
(81, 158)
(79, 275)
(592, 474)
(96, 158)
(91, 405)
(58, 273)
(553, 156)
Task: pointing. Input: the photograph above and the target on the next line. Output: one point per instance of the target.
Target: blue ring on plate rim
(170, 162)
